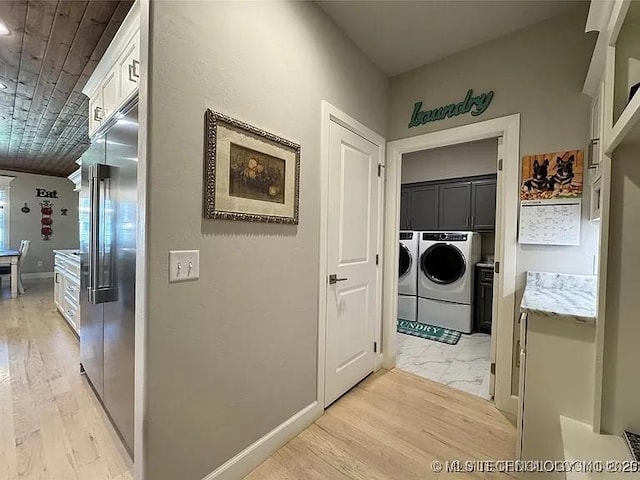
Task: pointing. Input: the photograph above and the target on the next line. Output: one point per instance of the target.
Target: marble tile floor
(464, 366)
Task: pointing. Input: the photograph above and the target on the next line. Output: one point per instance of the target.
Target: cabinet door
(424, 208)
(129, 68)
(486, 302)
(483, 205)
(455, 206)
(405, 209)
(96, 113)
(110, 97)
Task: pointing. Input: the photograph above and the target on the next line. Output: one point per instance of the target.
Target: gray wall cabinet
(424, 207)
(455, 206)
(467, 204)
(483, 205)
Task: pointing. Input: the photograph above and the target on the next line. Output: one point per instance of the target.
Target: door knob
(333, 278)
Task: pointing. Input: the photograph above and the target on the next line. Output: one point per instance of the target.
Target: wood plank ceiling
(51, 51)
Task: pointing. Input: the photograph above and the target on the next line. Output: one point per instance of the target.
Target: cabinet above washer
(457, 204)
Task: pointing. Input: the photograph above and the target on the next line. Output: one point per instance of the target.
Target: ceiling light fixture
(3, 29)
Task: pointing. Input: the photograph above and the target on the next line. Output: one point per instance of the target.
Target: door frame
(504, 288)
(330, 113)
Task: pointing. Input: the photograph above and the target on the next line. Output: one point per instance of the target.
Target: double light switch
(184, 265)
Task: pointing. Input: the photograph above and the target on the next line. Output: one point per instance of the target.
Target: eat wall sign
(44, 193)
(476, 104)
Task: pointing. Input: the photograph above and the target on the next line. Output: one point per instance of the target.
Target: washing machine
(408, 276)
(445, 279)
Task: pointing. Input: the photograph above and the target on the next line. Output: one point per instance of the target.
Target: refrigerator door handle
(99, 182)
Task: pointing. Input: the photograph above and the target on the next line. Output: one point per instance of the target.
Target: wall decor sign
(44, 193)
(551, 198)
(250, 174)
(477, 105)
(46, 209)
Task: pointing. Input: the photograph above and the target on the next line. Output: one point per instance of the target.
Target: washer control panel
(445, 237)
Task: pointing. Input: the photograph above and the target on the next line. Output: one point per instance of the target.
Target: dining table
(10, 257)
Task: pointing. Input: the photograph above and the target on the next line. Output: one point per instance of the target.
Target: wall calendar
(551, 198)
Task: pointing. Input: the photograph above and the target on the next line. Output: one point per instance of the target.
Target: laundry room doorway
(450, 257)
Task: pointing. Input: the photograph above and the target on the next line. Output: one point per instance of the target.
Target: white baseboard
(251, 457)
(36, 275)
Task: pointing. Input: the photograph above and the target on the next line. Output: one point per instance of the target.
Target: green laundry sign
(474, 104)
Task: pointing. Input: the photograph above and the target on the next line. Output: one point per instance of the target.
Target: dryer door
(443, 263)
(404, 261)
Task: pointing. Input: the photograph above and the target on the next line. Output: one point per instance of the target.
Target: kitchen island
(66, 286)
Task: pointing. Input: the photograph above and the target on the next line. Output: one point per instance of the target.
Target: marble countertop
(72, 253)
(562, 295)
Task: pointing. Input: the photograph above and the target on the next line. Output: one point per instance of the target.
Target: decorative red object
(46, 208)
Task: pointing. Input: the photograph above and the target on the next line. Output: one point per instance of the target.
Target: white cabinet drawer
(71, 315)
(72, 293)
(73, 268)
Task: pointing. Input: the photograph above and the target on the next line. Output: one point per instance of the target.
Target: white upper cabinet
(110, 93)
(129, 68)
(616, 62)
(116, 78)
(624, 73)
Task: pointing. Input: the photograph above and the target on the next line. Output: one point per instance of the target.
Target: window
(4, 211)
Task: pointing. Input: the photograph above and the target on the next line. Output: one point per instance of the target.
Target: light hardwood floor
(392, 427)
(51, 424)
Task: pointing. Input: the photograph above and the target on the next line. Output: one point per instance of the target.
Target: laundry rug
(430, 332)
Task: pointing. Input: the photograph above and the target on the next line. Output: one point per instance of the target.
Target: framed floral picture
(250, 174)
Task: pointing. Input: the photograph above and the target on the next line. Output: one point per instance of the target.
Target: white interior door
(497, 254)
(352, 236)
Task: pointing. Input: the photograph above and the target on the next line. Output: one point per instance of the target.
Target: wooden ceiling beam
(12, 168)
(63, 31)
(95, 20)
(37, 29)
(52, 51)
(13, 14)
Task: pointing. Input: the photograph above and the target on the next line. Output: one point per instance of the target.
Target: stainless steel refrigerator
(108, 205)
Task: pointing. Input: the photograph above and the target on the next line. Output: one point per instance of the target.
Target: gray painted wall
(26, 226)
(621, 389)
(233, 355)
(537, 72)
(464, 160)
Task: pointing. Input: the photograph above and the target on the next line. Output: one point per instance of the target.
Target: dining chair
(24, 248)
(6, 270)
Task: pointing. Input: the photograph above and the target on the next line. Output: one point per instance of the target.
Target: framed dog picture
(250, 174)
(552, 176)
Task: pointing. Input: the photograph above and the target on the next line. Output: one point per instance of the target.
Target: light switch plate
(184, 265)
